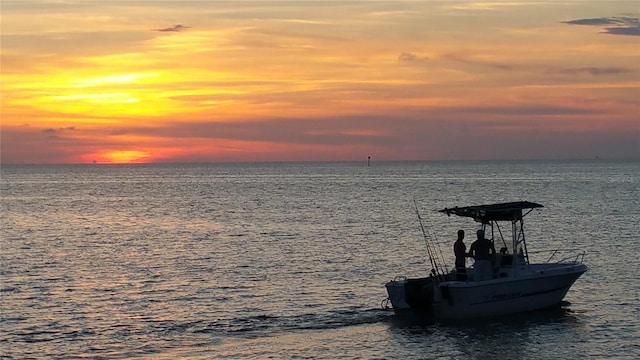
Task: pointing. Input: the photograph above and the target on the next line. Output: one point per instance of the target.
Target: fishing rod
(441, 259)
(430, 252)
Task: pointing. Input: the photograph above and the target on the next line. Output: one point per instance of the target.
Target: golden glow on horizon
(124, 156)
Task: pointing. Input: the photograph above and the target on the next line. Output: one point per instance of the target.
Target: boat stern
(415, 295)
(396, 294)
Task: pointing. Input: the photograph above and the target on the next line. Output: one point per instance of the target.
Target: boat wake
(268, 325)
(265, 325)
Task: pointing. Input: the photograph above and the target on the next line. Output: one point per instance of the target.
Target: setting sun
(125, 157)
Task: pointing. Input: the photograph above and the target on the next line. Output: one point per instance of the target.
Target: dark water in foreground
(288, 260)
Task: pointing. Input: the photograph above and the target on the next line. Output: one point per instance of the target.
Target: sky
(225, 81)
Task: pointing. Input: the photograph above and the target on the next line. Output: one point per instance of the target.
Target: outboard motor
(419, 295)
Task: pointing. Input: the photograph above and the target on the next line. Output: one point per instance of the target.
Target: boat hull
(537, 288)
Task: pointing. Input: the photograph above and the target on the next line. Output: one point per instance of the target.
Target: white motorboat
(516, 285)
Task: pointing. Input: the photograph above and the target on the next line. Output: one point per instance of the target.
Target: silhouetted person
(460, 251)
(482, 251)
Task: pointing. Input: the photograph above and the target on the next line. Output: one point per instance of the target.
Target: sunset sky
(177, 81)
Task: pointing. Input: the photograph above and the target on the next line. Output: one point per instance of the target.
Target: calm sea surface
(288, 260)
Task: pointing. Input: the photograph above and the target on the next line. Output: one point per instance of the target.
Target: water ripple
(288, 260)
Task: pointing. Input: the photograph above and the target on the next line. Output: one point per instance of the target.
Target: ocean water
(288, 260)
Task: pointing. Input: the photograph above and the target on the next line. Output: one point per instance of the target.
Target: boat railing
(575, 256)
(580, 257)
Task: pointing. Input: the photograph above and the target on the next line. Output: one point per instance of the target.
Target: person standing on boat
(460, 251)
(482, 251)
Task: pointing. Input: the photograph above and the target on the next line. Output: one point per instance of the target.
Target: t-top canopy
(493, 212)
